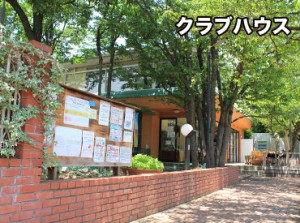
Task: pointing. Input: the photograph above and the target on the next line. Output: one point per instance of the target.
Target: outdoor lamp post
(187, 131)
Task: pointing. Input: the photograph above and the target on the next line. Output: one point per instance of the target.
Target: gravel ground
(254, 199)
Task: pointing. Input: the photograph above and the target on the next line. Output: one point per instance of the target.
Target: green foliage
(247, 134)
(243, 67)
(141, 161)
(32, 70)
(79, 172)
(258, 127)
(61, 24)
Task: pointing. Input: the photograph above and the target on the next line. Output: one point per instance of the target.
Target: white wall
(246, 148)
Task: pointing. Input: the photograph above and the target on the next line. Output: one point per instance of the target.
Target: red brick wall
(117, 199)
(114, 199)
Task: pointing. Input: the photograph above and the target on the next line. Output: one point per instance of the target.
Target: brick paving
(254, 199)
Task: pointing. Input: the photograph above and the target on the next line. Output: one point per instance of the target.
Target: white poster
(127, 136)
(104, 111)
(170, 129)
(115, 133)
(168, 142)
(125, 154)
(99, 152)
(170, 134)
(128, 124)
(112, 154)
(67, 141)
(93, 113)
(87, 144)
(77, 111)
(116, 116)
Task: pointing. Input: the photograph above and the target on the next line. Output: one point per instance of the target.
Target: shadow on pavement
(256, 199)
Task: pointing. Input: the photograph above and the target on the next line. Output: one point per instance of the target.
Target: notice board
(92, 131)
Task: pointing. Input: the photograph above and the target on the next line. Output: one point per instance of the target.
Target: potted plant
(144, 164)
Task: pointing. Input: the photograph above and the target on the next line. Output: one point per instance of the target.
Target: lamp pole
(188, 131)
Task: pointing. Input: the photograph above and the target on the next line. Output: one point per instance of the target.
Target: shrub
(247, 134)
(141, 161)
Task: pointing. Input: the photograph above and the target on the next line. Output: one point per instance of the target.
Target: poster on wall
(87, 144)
(128, 123)
(93, 113)
(104, 111)
(127, 136)
(116, 116)
(67, 141)
(171, 134)
(99, 153)
(115, 133)
(125, 154)
(170, 129)
(112, 154)
(77, 111)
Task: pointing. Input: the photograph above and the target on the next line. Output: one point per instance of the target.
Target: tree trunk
(295, 133)
(24, 19)
(200, 125)
(210, 108)
(220, 134)
(214, 60)
(38, 25)
(189, 106)
(224, 143)
(111, 68)
(100, 59)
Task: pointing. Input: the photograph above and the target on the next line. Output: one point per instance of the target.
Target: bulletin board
(92, 131)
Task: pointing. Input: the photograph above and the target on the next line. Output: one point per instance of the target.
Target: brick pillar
(32, 154)
(34, 129)
(20, 177)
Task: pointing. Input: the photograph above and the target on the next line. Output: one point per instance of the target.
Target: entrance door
(168, 140)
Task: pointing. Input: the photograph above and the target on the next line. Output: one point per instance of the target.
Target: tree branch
(24, 19)
(247, 116)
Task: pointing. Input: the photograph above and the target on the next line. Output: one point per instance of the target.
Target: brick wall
(24, 198)
(111, 199)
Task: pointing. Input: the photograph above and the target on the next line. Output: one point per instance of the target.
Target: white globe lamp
(186, 129)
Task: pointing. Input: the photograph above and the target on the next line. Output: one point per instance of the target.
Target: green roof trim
(142, 93)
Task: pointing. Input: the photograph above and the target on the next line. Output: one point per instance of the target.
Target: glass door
(168, 142)
(233, 151)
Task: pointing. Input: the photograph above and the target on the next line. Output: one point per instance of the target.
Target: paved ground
(255, 199)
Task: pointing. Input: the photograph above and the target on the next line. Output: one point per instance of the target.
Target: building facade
(158, 126)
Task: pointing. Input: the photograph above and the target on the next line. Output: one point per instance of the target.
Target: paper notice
(77, 111)
(125, 155)
(87, 144)
(170, 134)
(127, 136)
(67, 141)
(115, 133)
(128, 123)
(104, 112)
(93, 113)
(112, 154)
(99, 152)
(116, 116)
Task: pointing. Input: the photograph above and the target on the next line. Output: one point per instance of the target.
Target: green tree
(207, 70)
(277, 103)
(47, 21)
(110, 26)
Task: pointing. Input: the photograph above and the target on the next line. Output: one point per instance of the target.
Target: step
(250, 167)
(252, 173)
